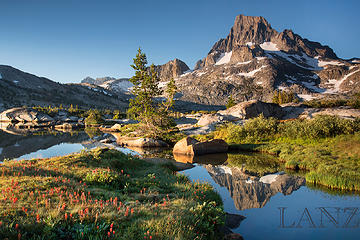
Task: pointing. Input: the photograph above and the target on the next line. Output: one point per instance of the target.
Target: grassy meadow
(104, 194)
(327, 147)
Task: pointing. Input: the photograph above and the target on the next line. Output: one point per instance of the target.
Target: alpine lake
(276, 203)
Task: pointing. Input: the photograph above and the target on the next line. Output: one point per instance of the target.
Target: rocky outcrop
(190, 146)
(171, 69)
(292, 112)
(216, 118)
(28, 118)
(140, 142)
(254, 108)
(24, 115)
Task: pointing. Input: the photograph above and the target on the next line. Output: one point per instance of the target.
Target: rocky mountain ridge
(254, 60)
(172, 69)
(18, 88)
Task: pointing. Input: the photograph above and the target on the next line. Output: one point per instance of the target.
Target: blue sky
(67, 40)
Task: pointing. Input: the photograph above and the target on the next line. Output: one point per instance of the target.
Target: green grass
(327, 147)
(254, 163)
(104, 194)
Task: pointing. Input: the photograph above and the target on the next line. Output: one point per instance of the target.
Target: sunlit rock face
(252, 192)
(254, 60)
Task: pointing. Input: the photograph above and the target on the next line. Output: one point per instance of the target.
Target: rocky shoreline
(189, 124)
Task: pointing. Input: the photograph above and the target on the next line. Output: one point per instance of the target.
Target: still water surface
(276, 207)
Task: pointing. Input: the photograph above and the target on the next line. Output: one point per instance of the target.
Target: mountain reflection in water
(14, 144)
(253, 192)
(247, 188)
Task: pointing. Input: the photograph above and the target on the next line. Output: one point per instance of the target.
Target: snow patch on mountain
(311, 86)
(1, 76)
(324, 63)
(224, 58)
(306, 97)
(252, 73)
(243, 63)
(199, 74)
(249, 44)
(186, 73)
(269, 46)
(124, 85)
(337, 83)
(303, 61)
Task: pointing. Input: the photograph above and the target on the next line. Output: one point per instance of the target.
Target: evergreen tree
(230, 103)
(170, 93)
(276, 97)
(152, 114)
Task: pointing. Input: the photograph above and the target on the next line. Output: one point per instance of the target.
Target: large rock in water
(24, 115)
(141, 142)
(254, 108)
(191, 146)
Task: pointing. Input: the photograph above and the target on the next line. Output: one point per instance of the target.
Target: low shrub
(94, 117)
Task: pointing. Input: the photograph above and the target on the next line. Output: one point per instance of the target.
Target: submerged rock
(213, 159)
(191, 146)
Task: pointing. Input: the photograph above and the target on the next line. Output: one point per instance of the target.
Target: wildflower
(66, 216)
(16, 226)
(127, 212)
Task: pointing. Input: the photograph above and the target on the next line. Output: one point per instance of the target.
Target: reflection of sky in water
(264, 223)
(65, 149)
(56, 150)
(260, 223)
(199, 173)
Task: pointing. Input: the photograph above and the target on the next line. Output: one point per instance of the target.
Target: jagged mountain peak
(171, 69)
(248, 35)
(254, 60)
